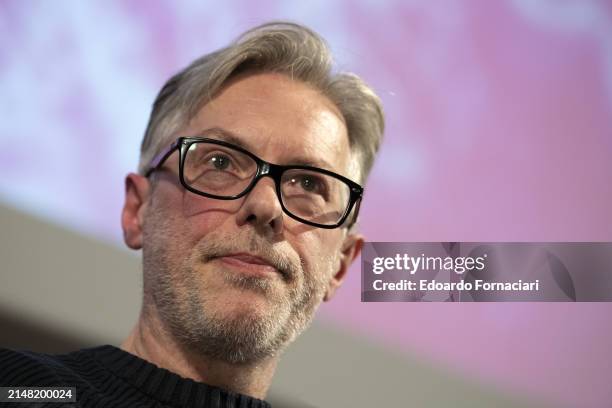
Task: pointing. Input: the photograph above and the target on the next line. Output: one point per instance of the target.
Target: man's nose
(261, 207)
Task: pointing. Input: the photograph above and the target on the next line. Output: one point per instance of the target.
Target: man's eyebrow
(226, 136)
(231, 137)
(319, 163)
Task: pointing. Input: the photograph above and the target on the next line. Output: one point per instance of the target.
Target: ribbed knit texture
(107, 377)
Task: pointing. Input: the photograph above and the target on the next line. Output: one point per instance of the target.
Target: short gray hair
(279, 47)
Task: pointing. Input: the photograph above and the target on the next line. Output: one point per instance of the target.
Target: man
(244, 205)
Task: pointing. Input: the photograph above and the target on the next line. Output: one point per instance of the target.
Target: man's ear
(351, 248)
(137, 190)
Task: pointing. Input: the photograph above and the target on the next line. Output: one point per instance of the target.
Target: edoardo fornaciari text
(432, 284)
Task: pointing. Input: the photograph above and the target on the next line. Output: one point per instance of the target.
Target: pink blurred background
(499, 128)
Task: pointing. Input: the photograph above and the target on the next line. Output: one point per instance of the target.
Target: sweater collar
(166, 386)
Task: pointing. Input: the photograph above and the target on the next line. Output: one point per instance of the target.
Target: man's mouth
(249, 264)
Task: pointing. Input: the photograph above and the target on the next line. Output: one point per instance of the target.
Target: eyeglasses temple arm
(161, 157)
(355, 212)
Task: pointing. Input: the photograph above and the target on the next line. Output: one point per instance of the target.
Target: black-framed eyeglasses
(221, 170)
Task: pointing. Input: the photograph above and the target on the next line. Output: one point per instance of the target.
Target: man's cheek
(198, 207)
(317, 250)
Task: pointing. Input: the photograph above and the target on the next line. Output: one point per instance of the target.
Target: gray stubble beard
(173, 288)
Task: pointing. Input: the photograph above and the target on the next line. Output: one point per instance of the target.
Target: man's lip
(248, 258)
(250, 264)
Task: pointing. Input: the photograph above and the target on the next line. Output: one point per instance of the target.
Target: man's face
(237, 280)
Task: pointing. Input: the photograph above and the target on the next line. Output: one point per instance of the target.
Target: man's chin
(246, 329)
(245, 302)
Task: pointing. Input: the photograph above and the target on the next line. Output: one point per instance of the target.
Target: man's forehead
(281, 120)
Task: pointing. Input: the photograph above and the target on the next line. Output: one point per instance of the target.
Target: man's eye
(219, 161)
(309, 183)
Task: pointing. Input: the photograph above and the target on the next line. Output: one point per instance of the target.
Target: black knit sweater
(107, 376)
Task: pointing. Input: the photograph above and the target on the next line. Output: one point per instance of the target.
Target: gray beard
(182, 308)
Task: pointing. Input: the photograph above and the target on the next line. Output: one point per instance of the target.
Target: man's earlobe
(351, 248)
(137, 190)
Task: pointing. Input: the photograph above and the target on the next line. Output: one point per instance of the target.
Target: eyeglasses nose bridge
(274, 172)
(265, 169)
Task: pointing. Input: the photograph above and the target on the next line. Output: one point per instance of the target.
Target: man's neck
(149, 341)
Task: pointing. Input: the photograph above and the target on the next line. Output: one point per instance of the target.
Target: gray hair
(279, 47)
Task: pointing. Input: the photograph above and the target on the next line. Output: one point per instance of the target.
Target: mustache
(216, 247)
